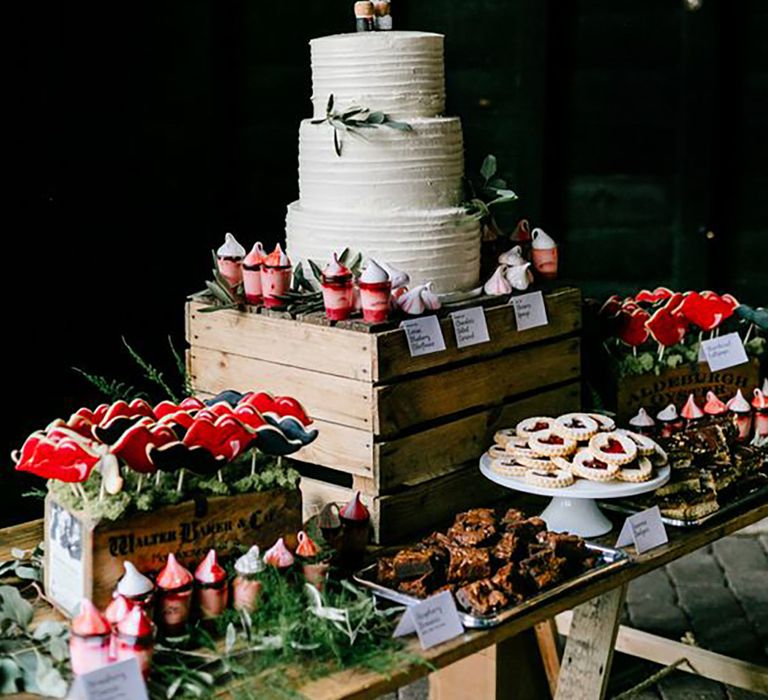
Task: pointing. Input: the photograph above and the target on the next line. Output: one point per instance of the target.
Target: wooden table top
(359, 685)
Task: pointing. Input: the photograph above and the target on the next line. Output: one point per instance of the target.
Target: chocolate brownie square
(481, 598)
(468, 564)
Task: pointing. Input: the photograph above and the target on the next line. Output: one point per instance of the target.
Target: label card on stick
(724, 352)
(530, 311)
(435, 620)
(118, 681)
(470, 327)
(644, 529)
(424, 335)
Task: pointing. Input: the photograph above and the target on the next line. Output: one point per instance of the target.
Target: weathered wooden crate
(388, 420)
(653, 392)
(84, 557)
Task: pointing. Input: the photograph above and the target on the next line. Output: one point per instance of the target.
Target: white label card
(724, 352)
(530, 311)
(470, 327)
(424, 335)
(435, 620)
(645, 530)
(118, 681)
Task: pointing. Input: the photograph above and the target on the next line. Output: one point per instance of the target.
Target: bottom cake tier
(441, 245)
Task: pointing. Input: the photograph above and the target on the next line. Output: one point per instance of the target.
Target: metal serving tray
(627, 506)
(609, 561)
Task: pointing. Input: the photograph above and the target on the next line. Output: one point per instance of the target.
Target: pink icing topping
(691, 411)
(209, 570)
(355, 510)
(256, 256)
(90, 621)
(277, 258)
(713, 405)
(335, 269)
(279, 555)
(739, 404)
(307, 548)
(117, 609)
(173, 575)
(760, 401)
(136, 623)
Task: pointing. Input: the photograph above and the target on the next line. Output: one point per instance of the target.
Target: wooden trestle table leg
(588, 653)
(549, 648)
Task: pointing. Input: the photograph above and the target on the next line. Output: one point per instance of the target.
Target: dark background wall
(633, 132)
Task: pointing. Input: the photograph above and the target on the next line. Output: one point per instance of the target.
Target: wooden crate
(84, 557)
(388, 420)
(653, 392)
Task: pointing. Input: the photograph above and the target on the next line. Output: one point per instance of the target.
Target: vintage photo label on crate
(470, 327)
(435, 620)
(645, 530)
(66, 569)
(118, 681)
(724, 352)
(424, 335)
(530, 310)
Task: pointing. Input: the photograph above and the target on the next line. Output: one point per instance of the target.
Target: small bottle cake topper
(375, 288)
(669, 421)
(230, 260)
(338, 290)
(275, 277)
(740, 411)
(89, 642)
(364, 16)
(211, 587)
(136, 638)
(252, 274)
(174, 594)
(714, 406)
(136, 587)
(760, 404)
(246, 587)
(279, 556)
(691, 411)
(544, 254)
(497, 285)
(642, 423)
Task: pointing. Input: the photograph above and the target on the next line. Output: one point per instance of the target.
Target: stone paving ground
(718, 594)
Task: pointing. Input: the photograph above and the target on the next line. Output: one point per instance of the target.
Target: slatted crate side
(484, 383)
(393, 360)
(429, 453)
(342, 353)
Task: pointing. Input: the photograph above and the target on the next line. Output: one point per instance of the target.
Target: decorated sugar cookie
(548, 443)
(645, 446)
(605, 423)
(588, 466)
(557, 479)
(636, 472)
(509, 438)
(613, 448)
(576, 426)
(508, 467)
(533, 425)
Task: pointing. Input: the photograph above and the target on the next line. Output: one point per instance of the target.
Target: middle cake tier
(382, 167)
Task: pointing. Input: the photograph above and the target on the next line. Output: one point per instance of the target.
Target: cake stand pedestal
(574, 508)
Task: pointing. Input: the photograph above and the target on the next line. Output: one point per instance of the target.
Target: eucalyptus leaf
(336, 143)
(329, 106)
(399, 126)
(173, 688)
(59, 649)
(49, 628)
(14, 607)
(488, 168)
(28, 573)
(9, 675)
(497, 183)
(376, 118)
(316, 271)
(230, 638)
(352, 111)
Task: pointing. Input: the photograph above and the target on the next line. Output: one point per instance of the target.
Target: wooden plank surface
(356, 684)
(428, 453)
(423, 398)
(334, 399)
(588, 653)
(393, 360)
(293, 343)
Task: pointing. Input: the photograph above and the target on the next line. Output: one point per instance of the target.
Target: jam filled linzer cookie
(549, 444)
(563, 463)
(533, 425)
(606, 423)
(541, 463)
(498, 452)
(508, 466)
(635, 472)
(509, 438)
(613, 448)
(557, 479)
(576, 426)
(645, 445)
(588, 466)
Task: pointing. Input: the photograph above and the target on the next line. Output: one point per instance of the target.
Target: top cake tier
(399, 73)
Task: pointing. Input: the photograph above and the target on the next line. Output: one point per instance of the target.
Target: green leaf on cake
(329, 106)
(376, 118)
(316, 271)
(336, 142)
(400, 126)
(488, 168)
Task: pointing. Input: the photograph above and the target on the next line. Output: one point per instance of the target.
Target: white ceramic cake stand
(573, 508)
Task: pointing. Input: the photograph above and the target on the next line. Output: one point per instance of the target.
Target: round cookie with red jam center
(563, 463)
(576, 426)
(613, 448)
(645, 445)
(509, 438)
(605, 423)
(498, 452)
(534, 425)
(587, 466)
(636, 472)
(508, 466)
(544, 464)
(557, 479)
(548, 443)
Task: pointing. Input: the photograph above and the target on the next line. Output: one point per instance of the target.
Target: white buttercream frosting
(374, 273)
(133, 583)
(230, 248)
(250, 563)
(400, 73)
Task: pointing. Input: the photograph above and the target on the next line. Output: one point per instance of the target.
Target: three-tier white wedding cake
(392, 194)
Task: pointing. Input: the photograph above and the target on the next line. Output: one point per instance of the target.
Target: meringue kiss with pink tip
(375, 288)
(338, 290)
(174, 595)
(740, 411)
(89, 641)
(279, 556)
(252, 274)
(275, 277)
(229, 259)
(211, 587)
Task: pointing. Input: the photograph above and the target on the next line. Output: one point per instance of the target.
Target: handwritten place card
(724, 352)
(118, 681)
(435, 620)
(424, 335)
(644, 529)
(530, 311)
(470, 327)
